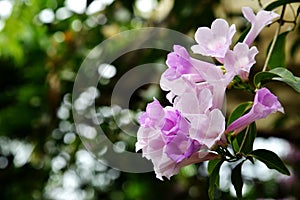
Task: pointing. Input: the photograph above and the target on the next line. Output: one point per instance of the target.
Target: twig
(244, 139)
(274, 39)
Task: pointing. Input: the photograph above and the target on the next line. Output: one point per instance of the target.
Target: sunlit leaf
(270, 159)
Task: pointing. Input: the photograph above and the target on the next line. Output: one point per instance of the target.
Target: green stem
(280, 22)
(244, 139)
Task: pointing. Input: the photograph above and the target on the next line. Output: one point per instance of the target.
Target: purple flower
(264, 104)
(213, 78)
(208, 129)
(179, 63)
(258, 22)
(174, 123)
(181, 147)
(169, 159)
(194, 102)
(215, 41)
(240, 60)
(167, 167)
(217, 81)
(153, 115)
(164, 139)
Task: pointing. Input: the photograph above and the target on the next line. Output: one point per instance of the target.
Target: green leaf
(214, 169)
(261, 77)
(212, 164)
(238, 112)
(277, 58)
(271, 160)
(236, 143)
(279, 74)
(278, 3)
(237, 179)
(295, 46)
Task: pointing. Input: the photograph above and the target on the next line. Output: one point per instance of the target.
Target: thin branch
(274, 39)
(244, 139)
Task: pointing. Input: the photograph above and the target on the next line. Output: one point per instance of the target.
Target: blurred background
(42, 45)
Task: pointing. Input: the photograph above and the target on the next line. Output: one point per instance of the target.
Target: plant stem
(244, 139)
(280, 22)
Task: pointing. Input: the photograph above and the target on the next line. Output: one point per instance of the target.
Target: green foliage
(270, 159)
(243, 35)
(278, 57)
(243, 142)
(239, 111)
(214, 177)
(38, 64)
(278, 74)
(237, 179)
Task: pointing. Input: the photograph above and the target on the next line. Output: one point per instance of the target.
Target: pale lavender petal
(201, 66)
(258, 22)
(240, 60)
(215, 41)
(150, 141)
(205, 100)
(218, 81)
(208, 129)
(187, 103)
(181, 147)
(248, 14)
(179, 63)
(165, 166)
(215, 130)
(155, 110)
(174, 123)
(264, 104)
(177, 86)
(198, 157)
(242, 122)
(153, 115)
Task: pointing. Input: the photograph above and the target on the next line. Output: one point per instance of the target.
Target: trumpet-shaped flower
(264, 104)
(258, 22)
(240, 60)
(215, 41)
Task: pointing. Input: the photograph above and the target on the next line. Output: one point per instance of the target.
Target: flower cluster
(189, 130)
